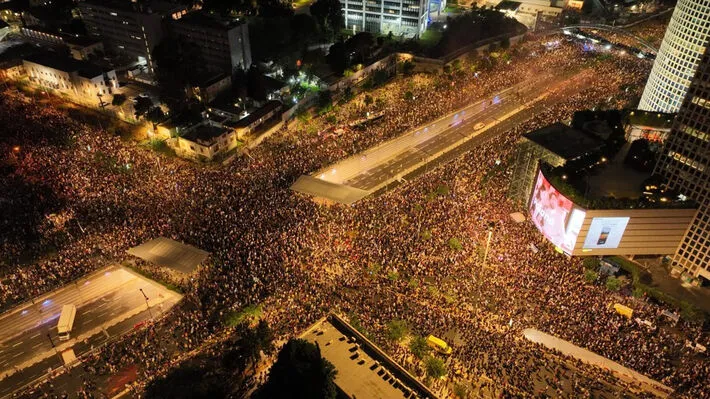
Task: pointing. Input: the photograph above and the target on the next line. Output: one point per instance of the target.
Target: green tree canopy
(300, 372)
(329, 14)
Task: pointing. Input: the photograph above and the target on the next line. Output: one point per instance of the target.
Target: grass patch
(149, 275)
(430, 38)
(248, 313)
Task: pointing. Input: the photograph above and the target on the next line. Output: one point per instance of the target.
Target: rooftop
(567, 142)
(258, 113)
(202, 19)
(508, 5)
(142, 7)
(205, 133)
(69, 65)
(364, 371)
(653, 119)
(166, 252)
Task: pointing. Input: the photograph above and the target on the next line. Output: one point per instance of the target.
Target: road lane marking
(17, 344)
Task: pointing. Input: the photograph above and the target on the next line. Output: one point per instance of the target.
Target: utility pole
(491, 225)
(146, 302)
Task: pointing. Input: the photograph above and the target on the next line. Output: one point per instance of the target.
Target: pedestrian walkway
(569, 349)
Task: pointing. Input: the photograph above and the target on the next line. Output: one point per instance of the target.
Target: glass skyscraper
(682, 47)
(685, 164)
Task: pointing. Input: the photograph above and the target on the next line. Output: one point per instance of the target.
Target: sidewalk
(661, 279)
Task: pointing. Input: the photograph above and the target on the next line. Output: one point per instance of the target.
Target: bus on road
(66, 322)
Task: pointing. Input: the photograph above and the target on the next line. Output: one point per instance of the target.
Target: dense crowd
(90, 196)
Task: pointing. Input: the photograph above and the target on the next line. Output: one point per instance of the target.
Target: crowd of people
(79, 197)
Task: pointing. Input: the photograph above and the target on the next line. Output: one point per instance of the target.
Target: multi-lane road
(387, 163)
(109, 304)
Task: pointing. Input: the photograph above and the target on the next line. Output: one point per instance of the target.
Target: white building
(401, 17)
(678, 58)
(78, 78)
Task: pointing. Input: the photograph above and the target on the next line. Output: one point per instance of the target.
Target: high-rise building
(224, 43)
(682, 47)
(132, 28)
(685, 164)
(401, 17)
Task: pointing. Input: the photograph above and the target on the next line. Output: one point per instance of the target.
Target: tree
(590, 276)
(274, 8)
(368, 100)
(336, 58)
(360, 45)
(408, 95)
(419, 347)
(455, 244)
(461, 390)
(435, 367)
(142, 105)
(155, 115)
(590, 262)
(304, 29)
(407, 67)
(187, 381)
(118, 99)
(329, 14)
(613, 283)
(299, 372)
(397, 330)
(255, 340)
(178, 63)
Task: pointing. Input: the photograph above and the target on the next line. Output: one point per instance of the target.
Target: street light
(491, 225)
(146, 302)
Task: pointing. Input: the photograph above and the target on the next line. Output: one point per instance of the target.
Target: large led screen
(555, 215)
(605, 232)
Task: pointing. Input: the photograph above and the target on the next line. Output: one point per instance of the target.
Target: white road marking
(17, 344)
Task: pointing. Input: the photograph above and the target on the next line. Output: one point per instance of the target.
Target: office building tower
(682, 47)
(401, 17)
(131, 28)
(685, 164)
(223, 43)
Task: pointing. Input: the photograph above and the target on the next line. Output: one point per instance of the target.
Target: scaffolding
(527, 158)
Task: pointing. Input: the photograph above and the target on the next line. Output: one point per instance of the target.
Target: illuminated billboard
(555, 215)
(605, 232)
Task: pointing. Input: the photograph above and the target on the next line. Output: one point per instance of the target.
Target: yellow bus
(438, 345)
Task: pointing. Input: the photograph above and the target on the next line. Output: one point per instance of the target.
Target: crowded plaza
(76, 197)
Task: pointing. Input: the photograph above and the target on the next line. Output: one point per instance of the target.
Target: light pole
(491, 225)
(146, 302)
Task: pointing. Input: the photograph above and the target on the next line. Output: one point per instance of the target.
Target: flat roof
(205, 133)
(658, 120)
(364, 370)
(567, 142)
(69, 65)
(259, 113)
(145, 7)
(338, 193)
(166, 252)
(201, 19)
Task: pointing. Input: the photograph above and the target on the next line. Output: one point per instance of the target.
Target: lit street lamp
(146, 302)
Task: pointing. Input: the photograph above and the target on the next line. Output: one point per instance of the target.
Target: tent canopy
(166, 252)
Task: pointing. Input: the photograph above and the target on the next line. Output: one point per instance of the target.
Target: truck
(66, 322)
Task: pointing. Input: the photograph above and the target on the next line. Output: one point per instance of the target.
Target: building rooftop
(69, 65)
(364, 371)
(567, 142)
(508, 5)
(141, 7)
(258, 113)
(657, 120)
(202, 19)
(205, 133)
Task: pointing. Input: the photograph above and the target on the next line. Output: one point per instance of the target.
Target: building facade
(70, 76)
(223, 43)
(401, 17)
(130, 28)
(682, 47)
(686, 166)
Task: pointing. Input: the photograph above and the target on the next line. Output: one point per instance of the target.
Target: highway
(386, 163)
(109, 304)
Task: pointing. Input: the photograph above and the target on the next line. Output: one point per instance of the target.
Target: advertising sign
(605, 232)
(555, 215)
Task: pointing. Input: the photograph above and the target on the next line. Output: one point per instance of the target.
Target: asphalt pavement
(109, 304)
